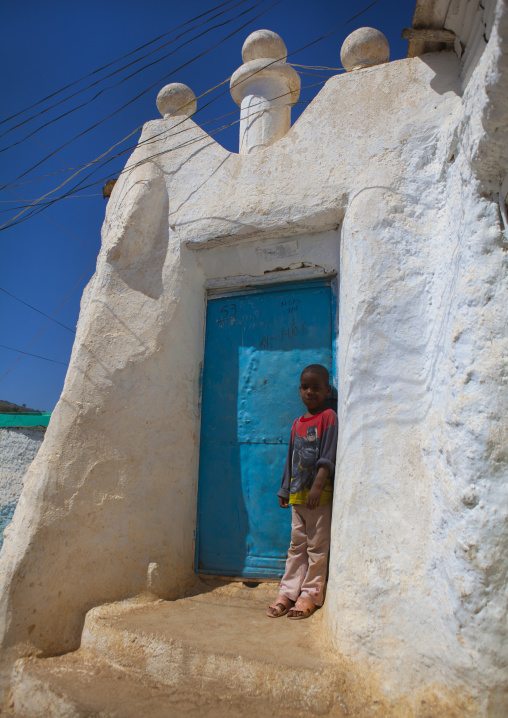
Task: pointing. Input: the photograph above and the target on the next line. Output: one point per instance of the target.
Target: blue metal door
(257, 343)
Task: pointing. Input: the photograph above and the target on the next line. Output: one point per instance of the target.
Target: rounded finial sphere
(176, 99)
(263, 44)
(363, 48)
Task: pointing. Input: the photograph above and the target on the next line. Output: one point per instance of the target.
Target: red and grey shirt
(313, 444)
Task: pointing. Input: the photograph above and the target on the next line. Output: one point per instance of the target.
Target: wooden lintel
(428, 35)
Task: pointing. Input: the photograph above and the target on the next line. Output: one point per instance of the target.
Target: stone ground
(213, 653)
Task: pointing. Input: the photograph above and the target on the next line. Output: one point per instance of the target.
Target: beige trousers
(307, 560)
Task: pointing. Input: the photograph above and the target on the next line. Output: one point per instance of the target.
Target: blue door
(257, 343)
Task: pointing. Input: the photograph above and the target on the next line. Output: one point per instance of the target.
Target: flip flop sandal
(303, 606)
(281, 606)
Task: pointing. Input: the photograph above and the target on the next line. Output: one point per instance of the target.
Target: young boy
(307, 487)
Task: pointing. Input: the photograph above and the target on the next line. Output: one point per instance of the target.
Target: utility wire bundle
(17, 121)
(13, 221)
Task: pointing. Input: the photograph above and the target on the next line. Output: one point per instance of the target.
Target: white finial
(264, 87)
(175, 100)
(363, 48)
(264, 43)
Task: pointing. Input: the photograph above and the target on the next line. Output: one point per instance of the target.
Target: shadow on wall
(444, 79)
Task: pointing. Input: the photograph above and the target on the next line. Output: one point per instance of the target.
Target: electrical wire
(28, 134)
(313, 74)
(100, 69)
(361, 12)
(9, 201)
(146, 159)
(128, 77)
(25, 352)
(12, 222)
(30, 355)
(129, 149)
(155, 84)
(55, 223)
(6, 225)
(318, 67)
(45, 215)
(47, 324)
(36, 310)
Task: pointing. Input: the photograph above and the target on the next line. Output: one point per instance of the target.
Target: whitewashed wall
(402, 170)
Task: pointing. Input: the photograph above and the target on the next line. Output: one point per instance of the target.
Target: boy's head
(315, 387)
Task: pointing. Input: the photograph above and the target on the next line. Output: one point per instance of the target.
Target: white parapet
(264, 87)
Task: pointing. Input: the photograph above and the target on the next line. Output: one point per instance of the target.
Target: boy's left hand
(314, 498)
(316, 490)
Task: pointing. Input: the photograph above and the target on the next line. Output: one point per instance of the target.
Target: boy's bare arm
(317, 488)
(283, 503)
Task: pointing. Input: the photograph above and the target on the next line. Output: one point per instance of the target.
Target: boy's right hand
(283, 503)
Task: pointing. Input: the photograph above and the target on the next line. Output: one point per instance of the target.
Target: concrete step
(80, 685)
(211, 653)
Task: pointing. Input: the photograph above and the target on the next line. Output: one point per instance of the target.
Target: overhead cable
(37, 310)
(153, 139)
(31, 355)
(47, 324)
(12, 221)
(155, 84)
(45, 215)
(55, 223)
(148, 89)
(25, 352)
(124, 79)
(104, 67)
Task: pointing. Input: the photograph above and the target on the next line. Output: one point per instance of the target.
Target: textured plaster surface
(404, 171)
(18, 448)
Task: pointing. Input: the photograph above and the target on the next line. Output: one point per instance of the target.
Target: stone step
(81, 685)
(212, 653)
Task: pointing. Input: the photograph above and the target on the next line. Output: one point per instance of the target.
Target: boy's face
(314, 391)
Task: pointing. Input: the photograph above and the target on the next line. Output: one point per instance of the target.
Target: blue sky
(46, 46)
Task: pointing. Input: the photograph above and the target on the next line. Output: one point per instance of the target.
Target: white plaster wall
(18, 448)
(395, 162)
(420, 527)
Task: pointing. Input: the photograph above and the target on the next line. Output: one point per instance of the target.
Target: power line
(45, 215)
(31, 355)
(25, 352)
(129, 149)
(47, 324)
(52, 317)
(28, 134)
(112, 114)
(37, 310)
(318, 67)
(55, 223)
(94, 72)
(10, 201)
(146, 159)
(150, 140)
(103, 120)
(361, 12)
(128, 77)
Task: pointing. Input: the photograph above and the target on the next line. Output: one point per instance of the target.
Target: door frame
(329, 280)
